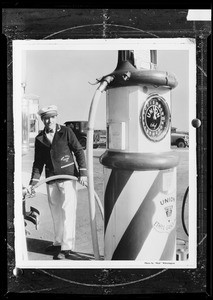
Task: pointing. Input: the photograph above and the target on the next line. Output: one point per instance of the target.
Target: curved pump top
(126, 74)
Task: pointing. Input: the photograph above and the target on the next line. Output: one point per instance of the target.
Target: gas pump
(139, 166)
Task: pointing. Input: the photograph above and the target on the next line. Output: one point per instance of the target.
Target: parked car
(80, 130)
(179, 139)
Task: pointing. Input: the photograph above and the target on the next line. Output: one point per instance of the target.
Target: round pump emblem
(155, 117)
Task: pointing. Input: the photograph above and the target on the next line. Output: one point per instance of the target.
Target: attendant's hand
(83, 180)
(31, 191)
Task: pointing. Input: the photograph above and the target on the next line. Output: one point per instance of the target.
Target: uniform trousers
(62, 200)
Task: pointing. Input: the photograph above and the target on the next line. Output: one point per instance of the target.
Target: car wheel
(83, 143)
(181, 144)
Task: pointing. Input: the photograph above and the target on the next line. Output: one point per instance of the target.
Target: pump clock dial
(155, 118)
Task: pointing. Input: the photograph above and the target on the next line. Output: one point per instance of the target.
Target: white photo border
(103, 44)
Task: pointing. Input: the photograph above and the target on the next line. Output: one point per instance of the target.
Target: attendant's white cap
(51, 110)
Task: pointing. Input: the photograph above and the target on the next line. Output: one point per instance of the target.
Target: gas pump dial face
(155, 118)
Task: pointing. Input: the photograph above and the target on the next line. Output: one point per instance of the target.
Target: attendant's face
(49, 121)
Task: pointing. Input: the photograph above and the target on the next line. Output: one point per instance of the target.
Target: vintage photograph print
(105, 153)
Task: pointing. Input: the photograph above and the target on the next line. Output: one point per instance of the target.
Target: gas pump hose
(89, 152)
(183, 210)
(71, 178)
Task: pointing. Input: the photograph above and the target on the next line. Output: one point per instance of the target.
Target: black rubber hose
(183, 210)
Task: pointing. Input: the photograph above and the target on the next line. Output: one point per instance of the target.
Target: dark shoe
(53, 249)
(68, 254)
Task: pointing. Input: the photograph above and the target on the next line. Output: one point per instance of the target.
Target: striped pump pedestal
(140, 214)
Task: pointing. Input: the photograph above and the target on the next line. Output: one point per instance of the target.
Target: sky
(66, 79)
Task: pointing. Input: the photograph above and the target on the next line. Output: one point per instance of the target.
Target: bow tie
(49, 130)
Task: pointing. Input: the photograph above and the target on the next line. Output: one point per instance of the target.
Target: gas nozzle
(105, 81)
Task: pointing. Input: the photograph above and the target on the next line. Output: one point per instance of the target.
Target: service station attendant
(55, 148)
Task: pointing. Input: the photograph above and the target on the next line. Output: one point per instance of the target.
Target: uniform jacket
(58, 157)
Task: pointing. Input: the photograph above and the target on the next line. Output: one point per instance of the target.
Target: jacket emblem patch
(65, 158)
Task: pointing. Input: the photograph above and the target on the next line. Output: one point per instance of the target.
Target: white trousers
(62, 200)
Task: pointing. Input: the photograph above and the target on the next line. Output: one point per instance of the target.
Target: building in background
(30, 121)
(34, 118)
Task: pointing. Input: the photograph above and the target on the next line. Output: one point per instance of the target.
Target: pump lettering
(153, 125)
(164, 219)
(167, 200)
(149, 114)
(159, 226)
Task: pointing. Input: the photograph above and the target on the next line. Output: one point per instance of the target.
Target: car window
(77, 127)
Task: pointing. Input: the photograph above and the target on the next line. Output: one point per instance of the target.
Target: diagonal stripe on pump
(170, 246)
(115, 185)
(125, 208)
(140, 225)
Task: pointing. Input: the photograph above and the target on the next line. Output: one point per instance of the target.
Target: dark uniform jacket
(58, 157)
